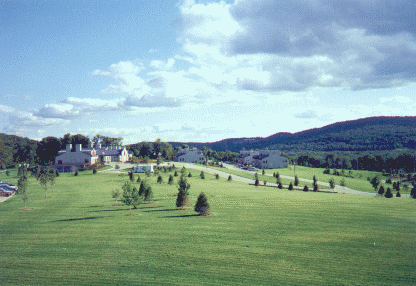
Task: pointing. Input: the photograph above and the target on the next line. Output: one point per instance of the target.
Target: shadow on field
(77, 219)
(191, 215)
(150, 207)
(166, 210)
(118, 210)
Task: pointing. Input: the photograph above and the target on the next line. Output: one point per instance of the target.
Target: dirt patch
(27, 209)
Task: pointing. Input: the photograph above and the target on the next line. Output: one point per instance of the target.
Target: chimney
(78, 147)
(68, 147)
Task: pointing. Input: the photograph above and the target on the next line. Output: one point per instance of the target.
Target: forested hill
(367, 134)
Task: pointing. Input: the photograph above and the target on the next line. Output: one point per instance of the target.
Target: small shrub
(159, 180)
(257, 182)
(263, 172)
(332, 183)
(217, 176)
(315, 187)
(7, 173)
(94, 171)
(176, 174)
(305, 188)
(76, 173)
(117, 167)
(138, 179)
(265, 182)
(280, 186)
(296, 181)
(398, 195)
(230, 178)
(290, 188)
(342, 183)
(190, 175)
(202, 175)
(170, 181)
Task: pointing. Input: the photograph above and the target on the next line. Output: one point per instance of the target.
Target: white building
(188, 155)
(264, 159)
(72, 159)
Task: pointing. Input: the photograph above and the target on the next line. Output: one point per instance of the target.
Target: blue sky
(202, 70)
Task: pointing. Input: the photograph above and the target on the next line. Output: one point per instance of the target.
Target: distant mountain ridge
(366, 134)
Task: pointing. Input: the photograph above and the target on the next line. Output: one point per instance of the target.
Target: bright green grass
(359, 183)
(256, 236)
(271, 179)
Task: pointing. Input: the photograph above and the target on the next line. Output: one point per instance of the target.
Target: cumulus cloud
(22, 123)
(295, 45)
(160, 65)
(148, 100)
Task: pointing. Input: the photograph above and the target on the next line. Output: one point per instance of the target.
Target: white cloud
(160, 65)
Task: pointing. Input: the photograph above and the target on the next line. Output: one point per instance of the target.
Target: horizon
(202, 71)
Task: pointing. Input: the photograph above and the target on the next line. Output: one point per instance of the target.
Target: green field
(359, 182)
(255, 236)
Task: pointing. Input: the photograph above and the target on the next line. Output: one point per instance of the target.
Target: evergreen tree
(263, 172)
(315, 181)
(138, 179)
(230, 178)
(76, 173)
(274, 175)
(342, 182)
(277, 175)
(202, 175)
(202, 206)
(278, 180)
(22, 185)
(280, 186)
(217, 176)
(381, 190)
(56, 173)
(148, 193)
(257, 182)
(176, 174)
(332, 183)
(413, 192)
(183, 193)
(190, 175)
(256, 176)
(305, 188)
(296, 181)
(264, 182)
(315, 187)
(388, 193)
(183, 170)
(170, 181)
(159, 179)
(375, 182)
(131, 176)
(290, 186)
(398, 195)
(7, 173)
(94, 171)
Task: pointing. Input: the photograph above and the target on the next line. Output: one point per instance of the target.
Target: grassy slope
(256, 236)
(359, 182)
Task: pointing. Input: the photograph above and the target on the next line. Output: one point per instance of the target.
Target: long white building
(188, 155)
(78, 157)
(264, 159)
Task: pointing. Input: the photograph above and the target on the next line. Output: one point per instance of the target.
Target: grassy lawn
(256, 236)
(359, 182)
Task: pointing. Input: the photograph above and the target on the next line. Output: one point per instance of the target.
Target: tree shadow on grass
(165, 210)
(191, 215)
(78, 219)
(150, 207)
(118, 210)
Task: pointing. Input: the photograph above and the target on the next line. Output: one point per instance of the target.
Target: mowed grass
(359, 182)
(255, 236)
